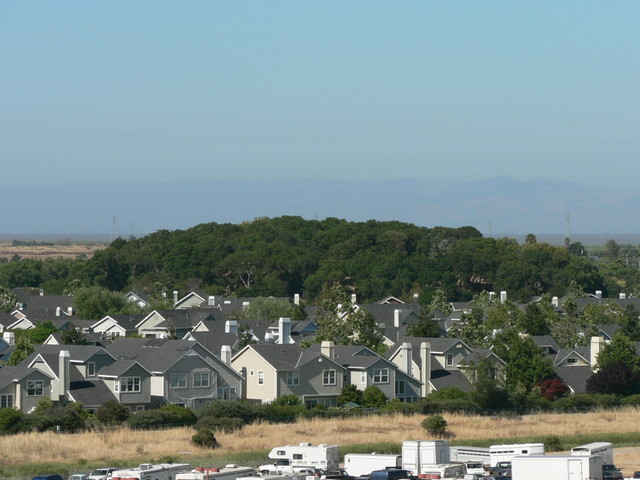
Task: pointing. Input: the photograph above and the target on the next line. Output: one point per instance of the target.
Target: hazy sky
(146, 91)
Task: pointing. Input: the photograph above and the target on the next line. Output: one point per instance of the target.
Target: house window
(449, 359)
(91, 369)
(6, 400)
(399, 387)
(130, 384)
(178, 380)
(293, 378)
(35, 388)
(201, 379)
(227, 393)
(572, 360)
(328, 377)
(363, 377)
(381, 375)
(260, 377)
(139, 408)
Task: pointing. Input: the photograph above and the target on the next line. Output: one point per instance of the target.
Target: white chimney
(598, 293)
(416, 296)
(623, 295)
(597, 344)
(397, 314)
(41, 292)
(492, 295)
(211, 301)
(555, 302)
(63, 374)
(407, 351)
(231, 326)
(503, 296)
(284, 331)
(296, 299)
(69, 311)
(175, 297)
(328, 349)
(425, 368)
(9, 337)
(58, 310)
(354, 298)
(225, 354)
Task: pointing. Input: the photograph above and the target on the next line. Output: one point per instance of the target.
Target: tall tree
(344, 323)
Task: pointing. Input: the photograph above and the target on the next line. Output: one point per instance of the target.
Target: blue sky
(438, 91)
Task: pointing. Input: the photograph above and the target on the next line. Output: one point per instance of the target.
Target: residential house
(162, 323)
(114, 326)
(273, 370)
(23, 387)
(182, 372)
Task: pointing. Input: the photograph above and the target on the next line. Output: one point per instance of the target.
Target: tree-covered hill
(287, 255)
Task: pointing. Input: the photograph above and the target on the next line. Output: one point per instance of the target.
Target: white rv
(504, 453)
(604, 449)
(229, 472)
(148, 471)
(447, 470)
(419, 454)
(358, 464)
(293, 458)
(557, 467)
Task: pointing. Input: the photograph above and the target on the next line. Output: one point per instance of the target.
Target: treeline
(287, 255)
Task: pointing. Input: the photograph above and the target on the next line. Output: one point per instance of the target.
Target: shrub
(435, 425)
(112, 413)
(165, 416)
(631, 400)
(205, 439)
(373, 397)
(552, 443)
(11, 421)
(220, 424)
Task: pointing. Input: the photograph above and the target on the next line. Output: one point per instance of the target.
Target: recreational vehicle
(358, 464)
(504, 453)
(148, 471)
(419, 454)
(604, 449)
(293, 458)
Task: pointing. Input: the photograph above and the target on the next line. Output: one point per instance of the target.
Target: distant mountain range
(499, 205)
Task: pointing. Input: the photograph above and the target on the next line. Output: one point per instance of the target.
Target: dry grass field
(133, 445)
(8, 250)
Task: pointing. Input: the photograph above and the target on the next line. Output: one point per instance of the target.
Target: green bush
(631, 400)
(435, 425)
(220, 424)
(11, 421)
(164, 416)
(205, 439)
(585, 401)
(112, 413)
(552, 443)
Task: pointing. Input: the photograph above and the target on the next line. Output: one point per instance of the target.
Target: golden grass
(130, 445)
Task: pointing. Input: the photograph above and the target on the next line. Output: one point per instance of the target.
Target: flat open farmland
(8, 250)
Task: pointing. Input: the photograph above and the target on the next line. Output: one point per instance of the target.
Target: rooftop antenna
(490, 230)
(568, 230)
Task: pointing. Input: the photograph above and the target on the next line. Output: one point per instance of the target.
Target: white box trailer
(462, 453)
(358, 464)
(418, 454)
(149, 471)
(504, 453)
(604, 449)
(556, 467)
(229, 472)
(293, 458)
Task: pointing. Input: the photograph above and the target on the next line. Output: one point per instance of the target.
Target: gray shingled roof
(154, 354)
(51, 353)
(575, 377)
(281, 357)
(9, 374)
(91, 393)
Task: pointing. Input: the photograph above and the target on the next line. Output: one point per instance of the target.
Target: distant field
(8, 250)
(250, 445)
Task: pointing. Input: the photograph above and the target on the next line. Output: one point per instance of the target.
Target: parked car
(78, 476)
(336, 474)
(102, 473)
(391, 474)
(611, 472)
(636, 474)
(48, 476)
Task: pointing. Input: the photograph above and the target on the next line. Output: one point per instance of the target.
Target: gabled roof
(9, 374)
(154, 354)
(119, 368)
(352, 356)
(90, 393)
(285, 357)
(187, 318)
(127, 322)
(51, 353)
(575, 377)
(478, 355)
(563, 353)
(441, 378)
